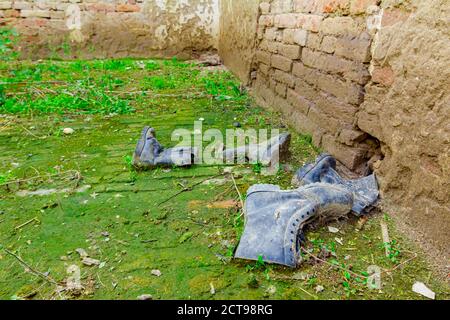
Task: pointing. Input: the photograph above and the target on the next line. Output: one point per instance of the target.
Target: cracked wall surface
(369, 80)
(113, 28)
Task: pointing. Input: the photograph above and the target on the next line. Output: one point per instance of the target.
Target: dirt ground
(60, 193)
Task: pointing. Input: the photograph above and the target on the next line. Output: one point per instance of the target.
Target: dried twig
(27, 223)
(188, 188)
(239, 194)
(385, 235)
(28, 267)
(77, 176)
(331, 264)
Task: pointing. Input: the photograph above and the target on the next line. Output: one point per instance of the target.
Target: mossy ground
(120, 220)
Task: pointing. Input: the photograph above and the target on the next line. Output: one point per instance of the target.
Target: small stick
(188, 189)
(239, 194)
(26, 265)
(27, 223)
(385, 235)
(315, 297)
(334, 265)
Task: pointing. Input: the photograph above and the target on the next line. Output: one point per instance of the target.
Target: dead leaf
(145, 297)
(82, 253)
(226, 204)
(90, 262)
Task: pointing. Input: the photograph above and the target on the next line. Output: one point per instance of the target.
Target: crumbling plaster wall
(238, 24)
(113, 28)
(369, 79)
(407, 107)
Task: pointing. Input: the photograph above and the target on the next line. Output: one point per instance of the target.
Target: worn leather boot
(275, 219)
(365, 189)
(149, 153)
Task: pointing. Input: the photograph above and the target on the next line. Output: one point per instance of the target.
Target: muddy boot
(365, 189)
(275, 219)
(149, 153)
(268, 153)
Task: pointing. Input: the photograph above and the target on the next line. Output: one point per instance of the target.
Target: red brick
(127, 8)
(393, 16)
(331, 6)
(360, 6)
(100, 7)
(310, 22)
(266, 20)
(383, 75)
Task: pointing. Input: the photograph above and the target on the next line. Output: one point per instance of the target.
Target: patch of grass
(8, 39)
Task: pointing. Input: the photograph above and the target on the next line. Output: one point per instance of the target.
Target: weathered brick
(22, 5)
(314, 41)
(328, 44)
(349, 156)
(271, 34)
(288, 36)
(333, 107)
(263, 56)
(57, 15)
(331, 6)
(281, 63)
(354, 48)
(285, 78)
(5, 5)
(264, 7)
(12, 13)
(286, 20)
(282, 6)
(360, 6)
(350, 136)
(266, 20)
(264, 68)
(35, 13)
(340, 26)
(127, 8)
(327, 123)
(290, 51)
(393, 16)
(349, 69)
(298, 101)
(307, 6)
(383, 75)
(346, 91)
(309, 22)
(100, 7)
(305, 89)
(295, 36)
(300, 37)
(281, 89)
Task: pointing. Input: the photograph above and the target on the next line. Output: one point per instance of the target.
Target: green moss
(118, 220)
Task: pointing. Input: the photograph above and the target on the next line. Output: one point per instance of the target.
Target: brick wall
(312, 62)
(112, 28)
